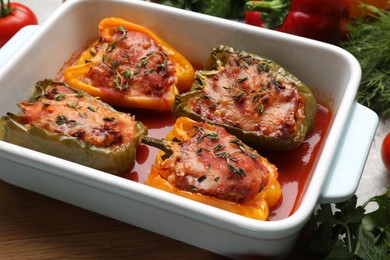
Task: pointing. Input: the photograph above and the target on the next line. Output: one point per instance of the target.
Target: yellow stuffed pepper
(204, 163)
(131, 66)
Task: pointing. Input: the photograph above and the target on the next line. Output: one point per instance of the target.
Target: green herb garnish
(60, 96)
(63, 120)
(348, 232)
(202, 178)
(92, 109)
(368, 41)
(110, 119)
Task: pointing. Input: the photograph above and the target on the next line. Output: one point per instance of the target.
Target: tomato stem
(5, 8)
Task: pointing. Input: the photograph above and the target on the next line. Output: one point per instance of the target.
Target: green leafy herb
(369, 43)
(73, 105)
(92, 109)
(128, 74)
(63, 120)
(160, 67)
(60, 96)
(233, 9)
(123, 30)
(110, 119)
(218, 150)
(348, 232)
(202, 178)
(203, 134)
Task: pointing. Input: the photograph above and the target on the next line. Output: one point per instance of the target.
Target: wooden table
(36, 227)
(33, 226)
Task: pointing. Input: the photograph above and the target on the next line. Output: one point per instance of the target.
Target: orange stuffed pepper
(204, 163)
(130, 66)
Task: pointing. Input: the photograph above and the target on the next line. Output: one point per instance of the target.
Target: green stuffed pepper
(254, 98)
(70, 124)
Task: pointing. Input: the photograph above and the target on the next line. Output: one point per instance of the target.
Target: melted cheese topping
(214, 163)
(250, 96)
(130, 65)
(65, 111)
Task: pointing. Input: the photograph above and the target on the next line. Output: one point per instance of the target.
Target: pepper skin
(253, 18)
(131, 66)
(257, 206)
(316, 19)
(108, 145)
(254, 98)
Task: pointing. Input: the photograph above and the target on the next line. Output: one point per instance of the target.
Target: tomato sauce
(295, 167)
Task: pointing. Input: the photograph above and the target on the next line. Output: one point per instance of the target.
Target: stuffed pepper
(204, 163)
(65, 122)
(253, 97)
(131, 66)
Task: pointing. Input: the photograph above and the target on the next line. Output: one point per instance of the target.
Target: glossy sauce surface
(295, 167)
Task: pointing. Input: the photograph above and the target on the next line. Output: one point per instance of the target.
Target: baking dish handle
(350, 158)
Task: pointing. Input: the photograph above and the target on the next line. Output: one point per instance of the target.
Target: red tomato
(385, 152)
(13, 18)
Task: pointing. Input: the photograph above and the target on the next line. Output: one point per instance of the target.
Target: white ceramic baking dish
(333, 73)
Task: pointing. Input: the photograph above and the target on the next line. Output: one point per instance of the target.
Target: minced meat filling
(248, 96)
(215, 163)
(130, 63)
(65, 111)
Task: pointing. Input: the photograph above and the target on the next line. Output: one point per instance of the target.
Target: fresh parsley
(346, 231)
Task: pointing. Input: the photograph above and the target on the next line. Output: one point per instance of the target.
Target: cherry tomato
(14, 17)
(385, 152)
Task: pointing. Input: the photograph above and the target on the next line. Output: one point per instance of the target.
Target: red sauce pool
(295, 167)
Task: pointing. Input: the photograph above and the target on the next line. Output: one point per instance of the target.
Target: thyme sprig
(160, 67)
(218, 150)
(60, 96)
(123, 30)
(122, 77)
(113, 66)
(244, 149)
(229, 158)
(110, 119)
(259, 97)
(92, 108)
(63, 120)
(203, 134)
(74, 105)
